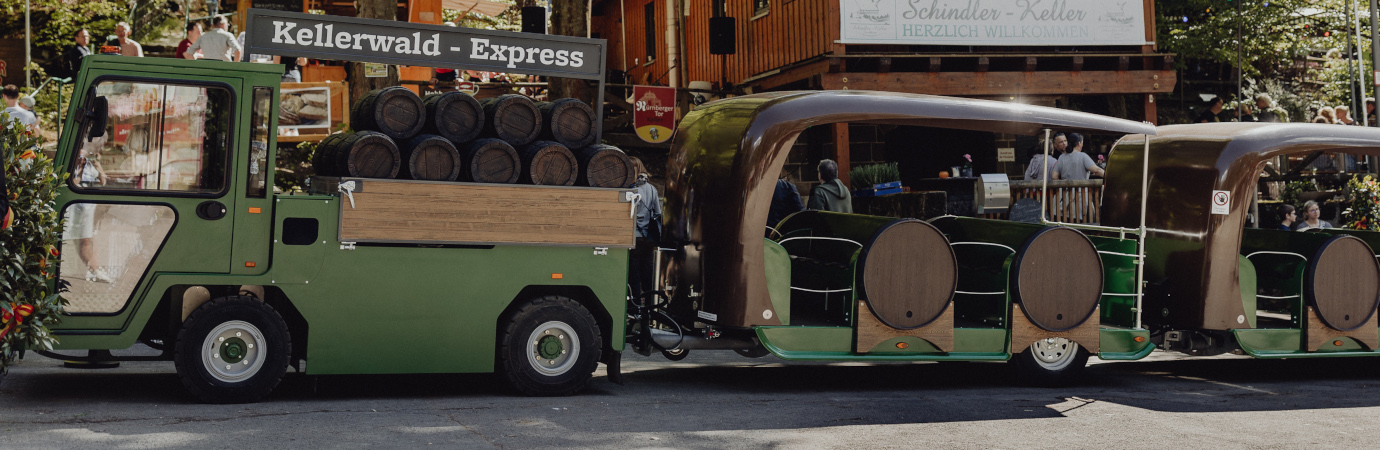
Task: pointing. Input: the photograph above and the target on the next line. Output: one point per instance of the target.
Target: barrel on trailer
(366, 154)
(1057, 278)
(909, 273)
(430, 157)
(513, 118)
(605, 166)
(548, 163)
(453, 115)
(568, 121)
(490, 161)
(1342, 283)
(394, 111)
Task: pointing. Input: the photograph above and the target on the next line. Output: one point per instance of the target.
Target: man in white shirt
(216, 44)
(127, 46)
(18, 113)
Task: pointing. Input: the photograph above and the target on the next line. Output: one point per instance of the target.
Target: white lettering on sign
(658, 109)
(325, 36)
(481, 49)
(1221, 202)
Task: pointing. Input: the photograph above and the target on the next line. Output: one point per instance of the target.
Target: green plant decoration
(29, 300)
(1363, 204)
(864, 177)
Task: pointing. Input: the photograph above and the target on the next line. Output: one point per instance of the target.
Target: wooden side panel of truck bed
(427, 212)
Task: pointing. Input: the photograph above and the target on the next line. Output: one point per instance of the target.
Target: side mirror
(97, 117)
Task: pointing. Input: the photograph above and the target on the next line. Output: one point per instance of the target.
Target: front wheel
(232, 350)
(549, 347)
(1051, 362)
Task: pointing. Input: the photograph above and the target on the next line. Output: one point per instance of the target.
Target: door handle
(211, 210)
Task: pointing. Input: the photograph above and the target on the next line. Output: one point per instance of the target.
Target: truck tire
(1051, 362)
(549, 347)
(232, 350)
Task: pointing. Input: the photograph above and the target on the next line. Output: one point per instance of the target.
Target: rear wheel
(1051, 362)
(232, 350)
(550, 347)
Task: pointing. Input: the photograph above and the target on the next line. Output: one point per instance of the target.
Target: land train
(235, 283)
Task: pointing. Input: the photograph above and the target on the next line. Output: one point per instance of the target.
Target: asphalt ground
(716, 400)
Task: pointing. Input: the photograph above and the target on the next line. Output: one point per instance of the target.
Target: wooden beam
(793, 74)
(841, 150)
(1006, 83)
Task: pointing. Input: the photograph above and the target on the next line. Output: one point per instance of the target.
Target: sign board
(1006, 154)
(375, 70)
(416, 44)
(976, 22)
(654, 112)
(1221, 202)
(1377, 78)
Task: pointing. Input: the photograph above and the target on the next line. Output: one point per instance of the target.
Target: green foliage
(864, 177)
(1271, 37)
(28, 249)
(294, 167)
(1363, 204)
(55, 22)
(1291, 191)
(509, 20)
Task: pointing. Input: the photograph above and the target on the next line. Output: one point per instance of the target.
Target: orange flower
(28, 154)
(52, 250)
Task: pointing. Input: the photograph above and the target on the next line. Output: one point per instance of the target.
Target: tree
(571, 18)
(360, 85)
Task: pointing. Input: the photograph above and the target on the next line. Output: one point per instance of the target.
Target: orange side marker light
(1140, 339)
(902, 345)
(249, 264)
(255, 210)
(557, 276)
(1337, 342)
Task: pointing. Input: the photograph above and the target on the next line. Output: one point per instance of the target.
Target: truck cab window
(159, 137)
(258, 143)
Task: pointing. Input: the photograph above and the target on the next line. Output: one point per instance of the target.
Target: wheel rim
(1054, 353)
(233, 351)
(554, 348)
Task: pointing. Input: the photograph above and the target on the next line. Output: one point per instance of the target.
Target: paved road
(715, 400)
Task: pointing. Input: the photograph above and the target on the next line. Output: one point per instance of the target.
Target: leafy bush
(1363, 204)
(28, 249)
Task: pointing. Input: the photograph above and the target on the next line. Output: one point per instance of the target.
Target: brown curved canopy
(1193, 253)
(727, 154)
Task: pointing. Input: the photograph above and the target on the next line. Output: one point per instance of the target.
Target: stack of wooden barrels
(454, 137)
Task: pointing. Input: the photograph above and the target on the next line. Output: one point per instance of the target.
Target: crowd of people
(1264, 110)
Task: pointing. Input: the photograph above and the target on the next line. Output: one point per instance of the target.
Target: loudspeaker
(534, 19)
(723, 37)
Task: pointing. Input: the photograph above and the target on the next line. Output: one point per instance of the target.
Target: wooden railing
(1071, 201)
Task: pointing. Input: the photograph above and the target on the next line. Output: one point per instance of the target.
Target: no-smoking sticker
(1221, 202)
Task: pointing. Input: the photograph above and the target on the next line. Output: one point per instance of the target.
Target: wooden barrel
(323, 160)
(490, 161)
(453, 115)
(1342, 283)
(548, 163)
(394, 111)
(569, 122)
(1058, 278)
(513, 118)
(366, 154)
(605, 166)
(909, 273)
(430, 157)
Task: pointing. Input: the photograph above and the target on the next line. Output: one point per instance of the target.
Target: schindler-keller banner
(992, 22)
(654, 112)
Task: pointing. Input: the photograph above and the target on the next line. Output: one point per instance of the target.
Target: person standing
(292, 67)
(127, 46)
(1076, 165)
(1265, 106)
(647, 231)
(193, 33)
(1370, 112)
(1245, 110)
(1343, 114)
(1209, 115)
(17, 113)
(217, 44)
(1040, 166)
(71, 58)
(830, 194)
(784, 202)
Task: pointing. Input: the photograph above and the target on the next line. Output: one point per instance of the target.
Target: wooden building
(814, 44)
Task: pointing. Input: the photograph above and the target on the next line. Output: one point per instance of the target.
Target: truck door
(151, 195)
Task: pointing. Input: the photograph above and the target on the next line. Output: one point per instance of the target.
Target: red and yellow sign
(654, 112)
